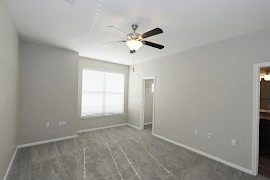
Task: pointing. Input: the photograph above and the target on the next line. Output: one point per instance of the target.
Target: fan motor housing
(133, 36)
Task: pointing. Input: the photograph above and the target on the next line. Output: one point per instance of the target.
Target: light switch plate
(64, 123)
(209, 135)
(195, 131)
(59, 123)
(47, 125)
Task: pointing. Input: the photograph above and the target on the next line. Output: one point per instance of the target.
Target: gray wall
(9, 52)
(90, 123)
(210, 89)
(48, 91)
(148, 108)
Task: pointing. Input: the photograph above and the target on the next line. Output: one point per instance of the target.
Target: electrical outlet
(196, 132)
(209, 135)
(59, 123)
(47, 125)
(63, 123)
(233, 142)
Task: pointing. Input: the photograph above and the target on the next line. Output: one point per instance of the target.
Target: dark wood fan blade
(151, 33)
(153, 44)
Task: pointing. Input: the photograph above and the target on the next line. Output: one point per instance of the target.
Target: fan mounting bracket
(134, 27)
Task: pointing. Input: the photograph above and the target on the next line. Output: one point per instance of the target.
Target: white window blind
(102, 93)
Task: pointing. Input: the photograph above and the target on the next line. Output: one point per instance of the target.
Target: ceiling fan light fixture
(134, 45)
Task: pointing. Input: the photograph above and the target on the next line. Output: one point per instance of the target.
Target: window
(102, 93)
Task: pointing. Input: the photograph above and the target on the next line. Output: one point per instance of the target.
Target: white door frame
(256, 117)
(143, 102)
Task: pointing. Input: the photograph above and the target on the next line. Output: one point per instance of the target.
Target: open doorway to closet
(264, 127)
(148, 100)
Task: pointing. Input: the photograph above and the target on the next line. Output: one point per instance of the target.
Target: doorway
(261, 120)
(264, 127)
(147, 105)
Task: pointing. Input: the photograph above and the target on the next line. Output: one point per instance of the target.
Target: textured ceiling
(81, 25)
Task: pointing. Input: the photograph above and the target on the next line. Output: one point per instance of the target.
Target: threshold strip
(153, 157)
(128, 160)
(114, 162)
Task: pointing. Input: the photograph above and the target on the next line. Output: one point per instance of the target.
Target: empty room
(134, 90)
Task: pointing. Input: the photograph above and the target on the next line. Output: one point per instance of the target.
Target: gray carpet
(148, 127)
(121, 153)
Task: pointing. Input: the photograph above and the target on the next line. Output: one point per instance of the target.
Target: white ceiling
(81, 25)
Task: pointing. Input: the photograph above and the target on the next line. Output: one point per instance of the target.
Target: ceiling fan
(135, 40)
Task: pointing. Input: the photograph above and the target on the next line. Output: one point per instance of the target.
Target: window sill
(103, 115)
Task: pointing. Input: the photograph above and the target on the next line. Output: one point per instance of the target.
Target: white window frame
(103, 114)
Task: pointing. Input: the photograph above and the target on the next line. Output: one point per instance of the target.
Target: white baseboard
(206, 155)
(147, 123)
(134, 126)
(46, 141)
(105, 127)
(10, 164)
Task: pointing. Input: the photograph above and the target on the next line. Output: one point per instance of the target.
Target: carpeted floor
(148, 128)
(120, 153)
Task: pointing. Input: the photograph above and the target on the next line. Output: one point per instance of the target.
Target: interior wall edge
(11, 162)
(131, 125)
(240, 168)
(46, 141)
(99, 128)
(9, 70)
